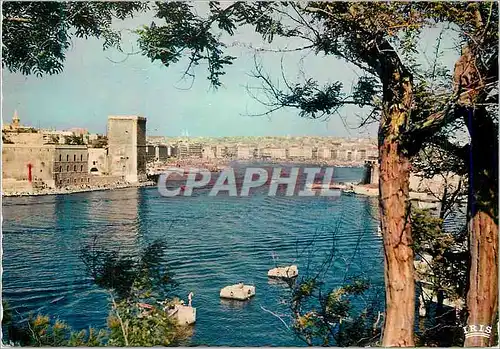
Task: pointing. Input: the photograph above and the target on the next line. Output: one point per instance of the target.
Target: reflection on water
(234, 304)
(282, 282)
(213, 242)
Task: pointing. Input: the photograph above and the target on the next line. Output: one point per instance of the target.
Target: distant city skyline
(97, 83)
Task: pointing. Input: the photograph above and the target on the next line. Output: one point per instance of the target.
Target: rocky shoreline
(73, 190)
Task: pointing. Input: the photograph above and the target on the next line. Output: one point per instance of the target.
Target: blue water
(214, 242)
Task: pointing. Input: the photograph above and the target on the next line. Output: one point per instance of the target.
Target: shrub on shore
(140, 296)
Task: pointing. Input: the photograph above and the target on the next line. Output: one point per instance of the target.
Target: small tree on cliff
(140, 290)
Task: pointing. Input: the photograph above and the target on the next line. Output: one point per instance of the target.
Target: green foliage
(138, 288)
(37, 35)
(186, 33)
(92, 338)
(321, 318)
(444, 269)
(144, 276)
(447, 265)
(365, 90)
(54, 139)
(6, 313)
(74, 140)
(133, 324)
(41, 331)
(100, 142)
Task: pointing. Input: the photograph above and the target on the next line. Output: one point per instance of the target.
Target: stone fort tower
(127, 147)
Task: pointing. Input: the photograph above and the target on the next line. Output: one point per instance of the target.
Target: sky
(97, 83)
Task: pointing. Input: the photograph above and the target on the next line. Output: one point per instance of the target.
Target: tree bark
(395, 211)
(482, 294)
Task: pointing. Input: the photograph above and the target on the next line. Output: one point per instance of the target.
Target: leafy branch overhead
(37, 35)
(186, 33)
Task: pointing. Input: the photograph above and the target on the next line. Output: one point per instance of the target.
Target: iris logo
(477, 331)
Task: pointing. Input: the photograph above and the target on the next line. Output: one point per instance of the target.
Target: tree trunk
(482, 297)
(399, 269)
(395, 213)
(482, 294)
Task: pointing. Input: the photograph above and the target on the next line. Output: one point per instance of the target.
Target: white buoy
(239, 291)
(284, 272)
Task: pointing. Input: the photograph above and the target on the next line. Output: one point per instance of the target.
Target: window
(81, 168)
(67, 157)
(93, 162)
(74, 168)
(74, 157)
(67, 168)
(81, 157)
(60, 157)
(88, 179)
(60, 168)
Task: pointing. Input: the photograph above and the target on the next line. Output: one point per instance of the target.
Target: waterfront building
(231, 151)
(47, 165)
(182, 150)
(324, 154)
(208, 152)
(361, 155)
(274, 153)
(162, 152)
(127, 147)
(174, 151)
(243, 152)
(98, 161)
(195, 150)
(220, 151)
(300, 152)
(16, 126)
(371, 171)
(71, 165)
(55, 136)
(150, 153)
(27, 138)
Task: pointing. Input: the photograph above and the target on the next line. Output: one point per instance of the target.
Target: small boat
(284, 272)
(239, 292)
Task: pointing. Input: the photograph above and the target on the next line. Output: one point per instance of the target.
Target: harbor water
(212, 242)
